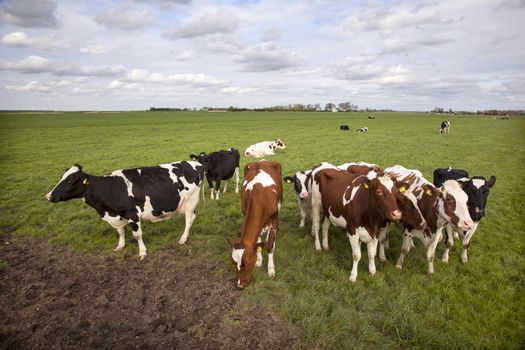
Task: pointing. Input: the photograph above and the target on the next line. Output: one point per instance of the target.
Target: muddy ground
(53, 297)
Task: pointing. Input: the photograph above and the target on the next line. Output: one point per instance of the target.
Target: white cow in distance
(264, 148)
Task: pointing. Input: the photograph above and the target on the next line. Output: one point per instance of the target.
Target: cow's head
(201, 158)
(250, 152)
(279, 144)
(453, 205)
(71, 185)
(382, 196)
(407, 202)
(244, 259)
(301, 183)
(477, 190)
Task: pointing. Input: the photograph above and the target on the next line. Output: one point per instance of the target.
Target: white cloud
(141, 75)
(125, 18)
(35, 65)
(29, 13)
(33, 86)
(266, 57)
(97, 49)
(399, 45)
(21, 39)
(221, 22)
(384, 19)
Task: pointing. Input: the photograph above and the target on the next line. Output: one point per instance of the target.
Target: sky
(137, 54)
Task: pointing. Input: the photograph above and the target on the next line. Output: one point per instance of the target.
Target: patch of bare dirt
(54, 298)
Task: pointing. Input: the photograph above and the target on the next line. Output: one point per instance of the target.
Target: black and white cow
(219, 166)
(344, 128)
(131, 195)
(445, 127)
(365, 129)
(442, 175)
(477, 189)
(301, 183)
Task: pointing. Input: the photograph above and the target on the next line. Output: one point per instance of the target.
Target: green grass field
(480, 305)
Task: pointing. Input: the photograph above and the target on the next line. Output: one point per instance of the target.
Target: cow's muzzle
(395, 215)
(466, 225)
(304, 195)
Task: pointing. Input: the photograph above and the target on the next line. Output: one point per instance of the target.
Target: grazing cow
(131, 195)
(264, 148)
(358, 204)
(477, 189)
(371, 117)
(439, 206)
(365, 129)
(301, 182)
(445, 127)
(261, 197)
(442, 175)
(219, 166)
(344, 128)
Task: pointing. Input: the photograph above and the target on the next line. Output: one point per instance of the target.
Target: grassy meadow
(479, 305)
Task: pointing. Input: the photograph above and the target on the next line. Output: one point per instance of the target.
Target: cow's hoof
(118, 249)
(142, 257)
(399, 267)
(445, 260)
(271, 273)
(383, 260)
(353, 279)
(181, 242)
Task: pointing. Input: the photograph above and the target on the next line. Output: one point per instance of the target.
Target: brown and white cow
(261, 197)
(406, 201)
(358, 204)
(439, 206)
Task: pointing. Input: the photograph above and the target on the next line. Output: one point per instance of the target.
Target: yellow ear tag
(259, 249)
(85, 181)
(428, 192)
(402, 189)
(366, 185)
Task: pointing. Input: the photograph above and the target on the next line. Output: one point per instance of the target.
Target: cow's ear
(366, 183)
(429, 191)
(258, 247)
(234, 244)
(193, 157)
(492, 181)
(288, 179)
(402, 186)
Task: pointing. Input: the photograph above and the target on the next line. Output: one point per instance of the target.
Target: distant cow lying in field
(371, 117)
(365, 129)
(344, 128)
(261, 197)
(129, 196)
(264, 148)
(445, 127)
(219, 166)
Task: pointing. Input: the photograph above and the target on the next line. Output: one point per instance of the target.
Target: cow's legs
(303, 215)
(137, 234)
(356, 254)
(405, 248)
(316, 219)
(449, 243)
(225, 186)
(121, 238)
(237, 180)
(383, 239)
(372, 250)
(325, 228)
(431, 251)
(190, 217)
(466, 243)
(270, 245)
(217, 188)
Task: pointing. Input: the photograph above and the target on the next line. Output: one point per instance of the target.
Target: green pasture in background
(479, 305)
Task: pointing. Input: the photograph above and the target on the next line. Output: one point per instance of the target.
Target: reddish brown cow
(358, 204)
(261, 197)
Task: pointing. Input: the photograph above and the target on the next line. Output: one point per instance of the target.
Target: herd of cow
(360, 197)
